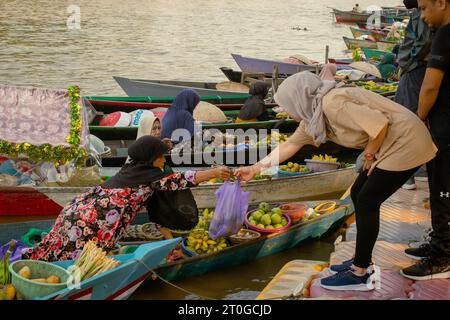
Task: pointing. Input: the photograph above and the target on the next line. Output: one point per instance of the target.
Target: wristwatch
(369, 156)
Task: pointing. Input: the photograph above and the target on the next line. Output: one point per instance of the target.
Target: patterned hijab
(300, 95)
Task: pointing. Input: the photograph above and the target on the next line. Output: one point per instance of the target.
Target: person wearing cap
(395, 144)
(104, 212)
(356, 8)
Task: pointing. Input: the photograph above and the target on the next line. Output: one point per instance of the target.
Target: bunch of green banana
(5, 275)
(204, 220)
(200, 242)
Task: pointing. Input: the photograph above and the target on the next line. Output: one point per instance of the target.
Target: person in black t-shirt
(434, 107)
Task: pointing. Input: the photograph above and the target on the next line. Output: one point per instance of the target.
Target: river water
(157, 39)
(168, 39)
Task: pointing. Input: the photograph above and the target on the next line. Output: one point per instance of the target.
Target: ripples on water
(157, 39)
(168, 39)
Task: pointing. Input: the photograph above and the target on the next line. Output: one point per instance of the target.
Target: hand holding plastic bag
(231, 208)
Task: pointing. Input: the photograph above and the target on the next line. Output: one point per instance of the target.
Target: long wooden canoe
(373, 54)
(129, 133)
(162, 88)
(255, 65)
(231, 157)
(48, 201)
(256, 249)
(357, 17)
(380, 45)
(378, 35)
(108, 106)
(231, 256)
(214, 99)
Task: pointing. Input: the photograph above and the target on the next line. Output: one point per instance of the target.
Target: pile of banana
(200, 242)
(372, 86)
(282, 115)
(325, 158)
(275, 138)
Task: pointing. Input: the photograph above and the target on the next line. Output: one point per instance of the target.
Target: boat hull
(356, 17)
(255, 65)
(20, 201)
(356, 43)
(375, 34)
(250, 251)
(120, 282)
(134, 87)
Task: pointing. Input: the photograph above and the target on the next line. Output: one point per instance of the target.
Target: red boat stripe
(26, 201)
(81, 294)
(118, 293)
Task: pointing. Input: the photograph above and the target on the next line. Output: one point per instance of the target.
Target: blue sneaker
(348, 280)
(346, 265)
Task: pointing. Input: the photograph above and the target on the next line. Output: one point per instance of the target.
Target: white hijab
(301, 96)
(146, 125)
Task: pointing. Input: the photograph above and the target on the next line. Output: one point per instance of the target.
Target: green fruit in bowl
(283, 221)
(276, 219)
(261, 226)
(266, 219)
(264, 206)
(277, 211)
(270, 227)
(257, 215)
(279, 225)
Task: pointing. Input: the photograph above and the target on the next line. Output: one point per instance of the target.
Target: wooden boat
(373, 54)
(378, 35)
(214, 99)
(340, 61)
(161, 88)
(118, 283)
(256, 249)
(129, 133)
(364, 25)
(355, 17)
(193, 266)
(48, 201)
(240, 155)
(108, 106)
(254, 65)
(380, 45)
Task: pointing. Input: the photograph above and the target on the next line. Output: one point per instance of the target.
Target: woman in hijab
(387, 67)
(395, 144)
(103, 213)
(254, 108)
(328, 72)
(179, 114)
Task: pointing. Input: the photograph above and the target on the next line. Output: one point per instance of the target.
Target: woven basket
(235, 239)
(180, 233)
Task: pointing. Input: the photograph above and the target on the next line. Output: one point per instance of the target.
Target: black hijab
(140, 170)
(260, 89)
(254, 107)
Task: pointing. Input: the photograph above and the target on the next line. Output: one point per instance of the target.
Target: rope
(172, 284)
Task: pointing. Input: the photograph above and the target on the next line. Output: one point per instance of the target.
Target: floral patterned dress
(100, 215)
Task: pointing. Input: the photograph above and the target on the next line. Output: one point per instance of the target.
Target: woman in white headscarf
(149, 125)
(395, 144)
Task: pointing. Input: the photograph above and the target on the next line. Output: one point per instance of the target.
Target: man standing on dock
(434, 107)
(412, 58)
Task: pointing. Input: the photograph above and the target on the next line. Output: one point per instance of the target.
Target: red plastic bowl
(261, 230)
(295, 210)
